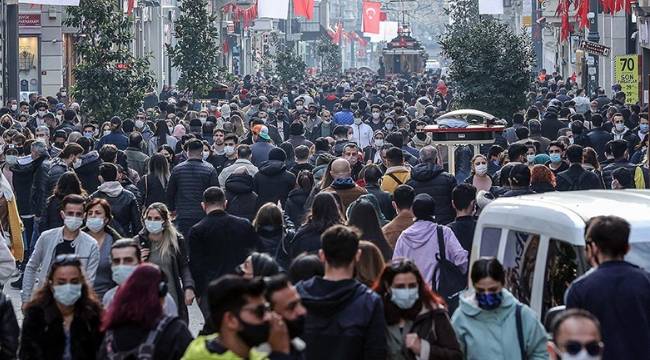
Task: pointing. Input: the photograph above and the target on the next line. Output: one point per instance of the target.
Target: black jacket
(550, 127)
(57, 168)
(51, 217)
(43, 337)
(306, 240)
(170, 345)
(598, 138)
(186, 185)
(577, 178)
(384, 199)
(464, 228)
(125, 210)
(609, 169)
(242, 199)
(433, 180)
(218, 243)
(295, 207)
(22, 181)
(273, 182)
(345, 320)
(89, 170)
(39, 184)
(150, 190)
(9, 329)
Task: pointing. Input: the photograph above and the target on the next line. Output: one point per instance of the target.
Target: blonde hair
(169, 243)
(474, 159)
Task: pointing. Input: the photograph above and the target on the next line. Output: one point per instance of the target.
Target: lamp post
(593, 36)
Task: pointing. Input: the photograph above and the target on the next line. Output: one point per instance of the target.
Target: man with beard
(286, 302)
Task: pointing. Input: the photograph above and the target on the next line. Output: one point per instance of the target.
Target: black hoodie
(345, 320)
(433, 180)
(273, 182)
(242, 200)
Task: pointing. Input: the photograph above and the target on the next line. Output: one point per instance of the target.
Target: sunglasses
(594, 348)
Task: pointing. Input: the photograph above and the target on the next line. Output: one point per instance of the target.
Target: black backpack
(451, 280)
(573, 185)
(144, 351)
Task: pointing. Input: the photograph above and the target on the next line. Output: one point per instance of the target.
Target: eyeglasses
(67, 259)
(259, 311)
(594, 348)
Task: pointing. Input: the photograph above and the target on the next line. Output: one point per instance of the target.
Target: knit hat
(277, 154)
(424, 207)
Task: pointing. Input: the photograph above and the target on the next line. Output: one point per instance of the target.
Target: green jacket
(198, 351)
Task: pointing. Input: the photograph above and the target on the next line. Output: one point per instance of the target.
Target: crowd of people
(317, 220)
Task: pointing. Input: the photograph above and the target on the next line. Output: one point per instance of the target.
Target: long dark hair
(68, 184)
(161, 132)
(324, 212)
(159, 168)
(364, 216)
(426, 297)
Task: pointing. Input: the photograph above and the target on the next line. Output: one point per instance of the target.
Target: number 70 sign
(627, 73)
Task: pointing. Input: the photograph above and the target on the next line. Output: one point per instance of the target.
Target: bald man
(343, 184)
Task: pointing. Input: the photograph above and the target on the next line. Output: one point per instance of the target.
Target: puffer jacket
(200, 349)
(492, 334)
(241, 196)
(186, 185)
(125, 209)
(294, 207)
(273, 182)
(433, 180)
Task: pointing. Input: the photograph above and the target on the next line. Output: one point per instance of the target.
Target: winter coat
(294, 207)
(150, 190)
(22, 180)
(218, 243)
(260, 152)
(273, 182)
(43, 336)
(39, 185)
(306, 240)
(433, 180)
(347, 193)
(51, 217)
(228, 170)
(384, 199)
(609, 169)
(550, 126)
(137, 160)
(388, 182)
(420, 243)
(577, 178)
(599, 137)
(88, 171)
(57, 168)
(198, 350)
(124, 206)
(345, 320)
(116, 138)
(242, 199)
(9, 331)
(298, 140)
(186, 185)
(484, 334)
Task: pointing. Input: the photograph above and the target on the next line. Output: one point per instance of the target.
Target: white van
(539, 239)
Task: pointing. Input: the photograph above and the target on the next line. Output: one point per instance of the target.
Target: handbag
(451, 279)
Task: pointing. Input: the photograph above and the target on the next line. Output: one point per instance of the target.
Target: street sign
(627, 74)
(594, 48)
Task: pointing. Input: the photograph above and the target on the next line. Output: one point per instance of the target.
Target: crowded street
(414, 180)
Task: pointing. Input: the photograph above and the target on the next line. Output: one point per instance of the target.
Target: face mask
(225, 116)
(95, 224)
(67, 294)
(229, 150)
(11, 159)
(620, 126)
(77, 163)
(253, 335)
(58, 117)
(88, 134)
(389, 126)
(379, 142)
(582, 355)
(14, 107)
(154, 226)
(205, 155)
(73, 223)
(139, 124)
(299, 107)
(530, 158)
(203, 119)
(644, 128)
(421, 136)
(489, 301)
(59, 144)
(375, 115)
(481, 169)
(64, 94)
(556, 158)
(357, 121)
(327, 121)
(41, 113)
(296, 327)
(107, 132)
(594, 110)
(404, 298)
(121, 272)
(571, 140)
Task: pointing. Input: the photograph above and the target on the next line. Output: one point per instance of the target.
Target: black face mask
(421, 135)
(296, 326)
(253, 335)
(59, 145)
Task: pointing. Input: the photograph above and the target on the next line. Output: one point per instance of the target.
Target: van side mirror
(551, 315)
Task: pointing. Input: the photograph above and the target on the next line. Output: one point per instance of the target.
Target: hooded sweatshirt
(420, 243)
(492, 334)
(345, 320)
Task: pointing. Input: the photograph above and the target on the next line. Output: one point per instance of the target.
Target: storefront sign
(627, 74)
(30, 20)
(594, 48)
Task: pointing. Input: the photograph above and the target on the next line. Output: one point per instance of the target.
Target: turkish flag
(371, 17)
(304, 8)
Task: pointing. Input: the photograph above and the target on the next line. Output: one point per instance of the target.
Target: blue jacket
(618, 294)
(484, 334)
(344, 117)
(260, 152)
(116, 138)
(345, 320)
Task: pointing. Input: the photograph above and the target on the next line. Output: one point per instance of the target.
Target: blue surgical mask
(404, 298)
(121, 272)
(556, 158)
(95, 224)
(67, 294)
(489, 301)
(89, 134)
(644, 128)
(153, 226)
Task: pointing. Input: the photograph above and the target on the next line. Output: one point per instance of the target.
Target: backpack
(451, 280)
(144, 351)
(573, 185)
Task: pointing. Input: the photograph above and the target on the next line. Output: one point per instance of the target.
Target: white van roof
(562, 215)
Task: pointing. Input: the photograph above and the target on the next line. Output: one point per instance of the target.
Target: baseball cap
(262, 131)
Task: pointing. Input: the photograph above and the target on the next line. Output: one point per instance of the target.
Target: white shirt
(362, 134)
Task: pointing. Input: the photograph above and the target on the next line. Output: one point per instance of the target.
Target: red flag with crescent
(371, 17)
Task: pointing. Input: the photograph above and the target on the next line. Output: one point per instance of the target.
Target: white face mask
(205, 155)
(389, 126)
(375, 115)
(107, 132)
(73, 223)
(379, 142)
(121, 272)
(14, 107)
(299, 107)
(357, 121)
(481, 169)
(203, 119)
(77, 163)
(154, 226)
(582, 355)
(41, 113)
(139, 124)
(229, 150)
(95, 224)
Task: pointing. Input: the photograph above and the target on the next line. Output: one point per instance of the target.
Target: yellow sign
(627, 75)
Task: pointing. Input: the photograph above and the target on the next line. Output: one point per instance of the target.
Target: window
(490, 242)
(519, 263)
(564, 263)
